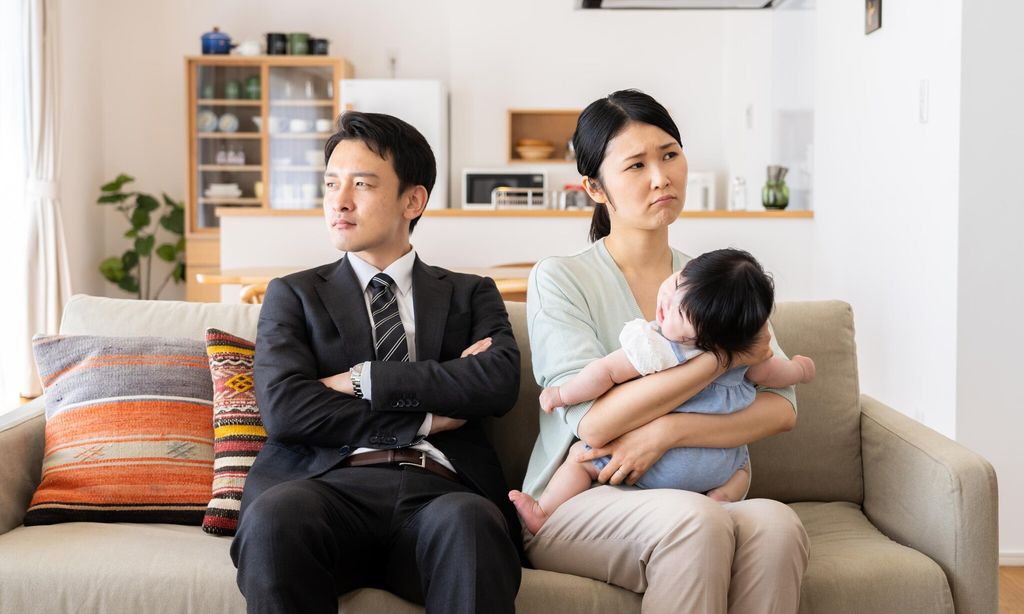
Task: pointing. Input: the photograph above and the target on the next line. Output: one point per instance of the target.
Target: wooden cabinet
(539, 135)
(257, 126)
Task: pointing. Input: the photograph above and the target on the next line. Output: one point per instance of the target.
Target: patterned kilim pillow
(128, 435)
(238, 429)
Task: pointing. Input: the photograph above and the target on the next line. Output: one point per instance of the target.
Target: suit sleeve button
(415, 403)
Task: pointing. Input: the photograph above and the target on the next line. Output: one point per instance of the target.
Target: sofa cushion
(827, 433)
(155, 568)
(237, 427)
(129, 435)
(94, 315)
(854, 568)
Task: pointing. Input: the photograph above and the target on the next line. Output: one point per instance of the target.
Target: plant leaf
(170, 202)
(147, 202)
(140, 218)
(112, 269)
(180, 245)
(115, 185)
(179, 272)
(131, 234)
(144, 245)
(128, 283)
(129, 259)
(113, 198)
(166, 252)
(174, 221)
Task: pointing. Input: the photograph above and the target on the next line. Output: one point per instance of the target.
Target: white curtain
(47, 281)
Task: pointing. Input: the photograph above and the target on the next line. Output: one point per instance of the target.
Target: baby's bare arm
(777, 372)
(598, 377)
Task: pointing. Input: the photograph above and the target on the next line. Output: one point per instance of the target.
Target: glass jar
(775, 193)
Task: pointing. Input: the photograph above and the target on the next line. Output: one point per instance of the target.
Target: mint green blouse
(575, 308)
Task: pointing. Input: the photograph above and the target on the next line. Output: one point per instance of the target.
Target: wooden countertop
(543, 213)
(255, 275)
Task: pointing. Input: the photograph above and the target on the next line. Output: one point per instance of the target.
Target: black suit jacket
(314, 324)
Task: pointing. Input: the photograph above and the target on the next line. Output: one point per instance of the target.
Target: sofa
(900, 518)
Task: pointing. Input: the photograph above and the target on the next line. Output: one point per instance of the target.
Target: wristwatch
(356, 377)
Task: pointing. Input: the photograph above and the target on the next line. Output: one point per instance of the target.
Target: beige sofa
(900, 518)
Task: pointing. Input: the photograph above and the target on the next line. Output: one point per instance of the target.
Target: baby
(719, 303)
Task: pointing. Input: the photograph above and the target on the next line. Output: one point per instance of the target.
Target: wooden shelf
(542, 213)
(230, 167)
(287, 169)
(230, 135)
(300, 135)
(231, 201)
(228, 102)
(302, 103)
(552, 125)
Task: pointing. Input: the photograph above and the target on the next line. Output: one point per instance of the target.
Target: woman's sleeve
(563, 337)
(788, 392)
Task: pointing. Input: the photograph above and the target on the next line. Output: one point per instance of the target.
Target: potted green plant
(132, 271)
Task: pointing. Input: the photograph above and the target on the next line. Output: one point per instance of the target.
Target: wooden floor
(1011, 590)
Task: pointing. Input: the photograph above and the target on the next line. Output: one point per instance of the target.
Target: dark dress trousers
(309, 529)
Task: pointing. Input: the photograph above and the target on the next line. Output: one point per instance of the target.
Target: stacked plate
(534, 149)
(223, 190)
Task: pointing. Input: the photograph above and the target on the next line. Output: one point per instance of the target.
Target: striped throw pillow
(238, 429)
(128, 434)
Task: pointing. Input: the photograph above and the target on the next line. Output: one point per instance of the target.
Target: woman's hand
(632, 454)
(760, 352)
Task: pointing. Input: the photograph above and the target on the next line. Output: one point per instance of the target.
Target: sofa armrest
(21, 460)
(932, 494)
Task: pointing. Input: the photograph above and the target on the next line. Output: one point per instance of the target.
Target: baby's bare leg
(734, 488)
(569, 480)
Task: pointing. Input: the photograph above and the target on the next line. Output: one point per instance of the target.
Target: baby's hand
(807, 365)
(550, 398)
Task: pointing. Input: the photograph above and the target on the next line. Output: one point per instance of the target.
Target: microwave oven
(477, 184)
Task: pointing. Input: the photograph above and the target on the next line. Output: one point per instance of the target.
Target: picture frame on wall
(872, 15)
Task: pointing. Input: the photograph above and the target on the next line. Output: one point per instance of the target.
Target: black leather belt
(402, 456)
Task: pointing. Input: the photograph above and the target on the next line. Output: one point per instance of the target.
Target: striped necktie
(387, 324)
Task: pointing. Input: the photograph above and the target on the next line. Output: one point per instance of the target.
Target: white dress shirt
(401, 272)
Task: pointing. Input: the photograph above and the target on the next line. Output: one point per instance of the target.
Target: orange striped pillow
(129, 435)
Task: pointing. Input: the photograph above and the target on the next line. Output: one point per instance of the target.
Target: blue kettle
(216, 43)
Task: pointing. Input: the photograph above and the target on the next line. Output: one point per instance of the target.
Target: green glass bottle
(775, 193)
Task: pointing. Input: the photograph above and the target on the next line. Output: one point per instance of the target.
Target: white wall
(885, 193)
(81, 154)
(990, 406)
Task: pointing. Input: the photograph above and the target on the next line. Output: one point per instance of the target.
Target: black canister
(318, 46)
(277, 43)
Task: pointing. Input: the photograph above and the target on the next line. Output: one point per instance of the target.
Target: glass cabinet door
(302, 107)
(228, 143)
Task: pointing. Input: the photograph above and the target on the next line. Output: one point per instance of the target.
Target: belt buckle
(422, 464)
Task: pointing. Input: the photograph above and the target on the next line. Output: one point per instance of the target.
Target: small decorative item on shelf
(228, 122)
(738, 194)
(775, 193)
(232, 89)
(249, 48)
(534, 149)
(252, 87)
(277, 43)
(216, 42)
(298, 43)
(206, 121)
(206, 91)
(318, 46)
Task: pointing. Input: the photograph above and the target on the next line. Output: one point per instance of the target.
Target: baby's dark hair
(728, 299)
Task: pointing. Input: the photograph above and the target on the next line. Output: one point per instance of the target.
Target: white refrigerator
(420, 102)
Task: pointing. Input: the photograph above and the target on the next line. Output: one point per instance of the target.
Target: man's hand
(443, 423)
(476, 348)
(341, 382)
(760, 352)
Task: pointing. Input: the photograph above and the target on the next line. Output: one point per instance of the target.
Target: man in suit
(372, 374)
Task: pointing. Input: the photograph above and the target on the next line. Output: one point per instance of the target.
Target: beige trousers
(683, 551)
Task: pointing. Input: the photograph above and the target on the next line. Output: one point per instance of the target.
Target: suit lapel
(343, 299)
(432, 295)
